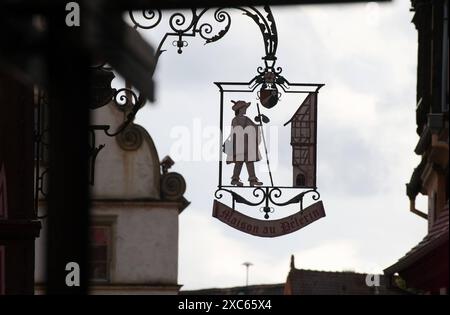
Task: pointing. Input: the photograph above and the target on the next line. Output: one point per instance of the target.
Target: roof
(262, 289)
(312, 282)
(436, 237)
(298, 109)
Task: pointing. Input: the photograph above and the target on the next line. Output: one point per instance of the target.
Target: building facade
(425, 267)
(135, 206)
(313, 282)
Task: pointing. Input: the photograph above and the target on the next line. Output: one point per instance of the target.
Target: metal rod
(265, 146)
(253, 187)
(37, 143)
(221, 136)
(315, 138)
(247, 265)
(246, 278)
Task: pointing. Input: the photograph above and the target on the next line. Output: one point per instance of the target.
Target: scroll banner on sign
(268, 228)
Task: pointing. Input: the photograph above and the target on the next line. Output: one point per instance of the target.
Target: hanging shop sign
(246, 144)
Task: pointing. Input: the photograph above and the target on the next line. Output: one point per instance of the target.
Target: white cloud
(341, 106)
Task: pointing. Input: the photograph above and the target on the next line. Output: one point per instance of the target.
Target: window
(100, 252)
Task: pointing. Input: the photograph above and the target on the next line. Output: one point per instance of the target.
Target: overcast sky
(366, 56)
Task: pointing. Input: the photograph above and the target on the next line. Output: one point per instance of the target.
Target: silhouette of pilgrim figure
(242, 144)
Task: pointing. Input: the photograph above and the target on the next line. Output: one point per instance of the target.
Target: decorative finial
(166, 164)
(292, 262)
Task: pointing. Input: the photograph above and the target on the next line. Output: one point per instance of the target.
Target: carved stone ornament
(131, 138)
(173, 186)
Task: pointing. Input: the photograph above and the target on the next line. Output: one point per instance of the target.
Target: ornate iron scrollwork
(149, 15)
(181, 26)
(267, 196)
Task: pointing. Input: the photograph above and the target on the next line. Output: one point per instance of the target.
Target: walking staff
(264, 118)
